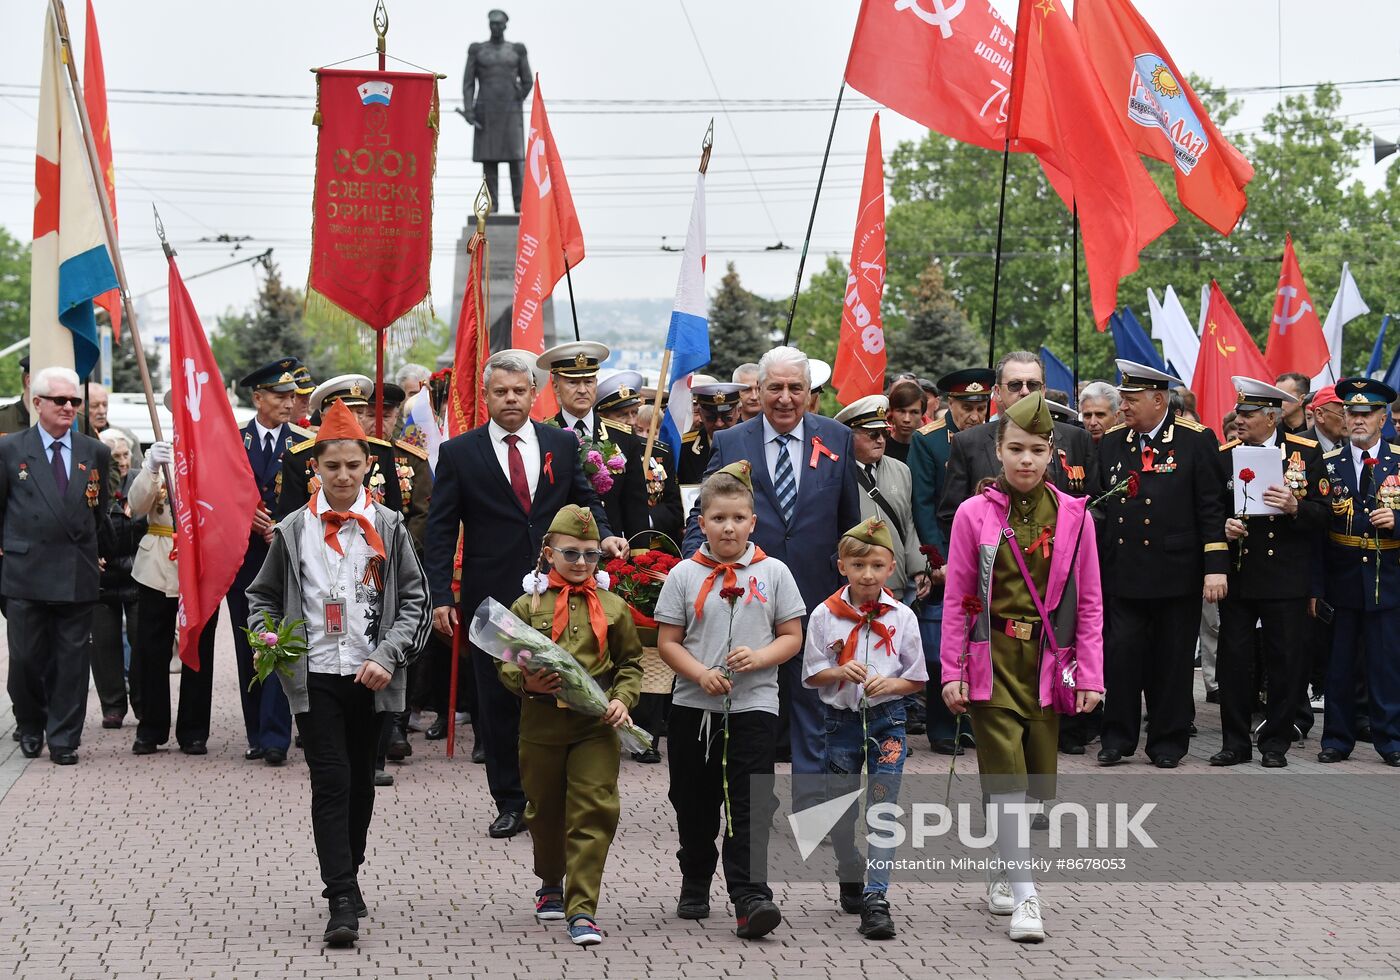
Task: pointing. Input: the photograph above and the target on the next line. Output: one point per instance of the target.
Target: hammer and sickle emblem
(194, 387)
(539, 167)
(1225, 349)
(941, 16)
(1286, 320)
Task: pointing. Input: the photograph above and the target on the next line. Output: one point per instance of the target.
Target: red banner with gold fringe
(372, 229)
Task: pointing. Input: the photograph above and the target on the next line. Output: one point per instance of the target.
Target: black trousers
(150, 660)
(108, 657)
(1150, 655)
(1283, 652)
(339, 735)
(48, 680)
(697, 794)
(499, 731)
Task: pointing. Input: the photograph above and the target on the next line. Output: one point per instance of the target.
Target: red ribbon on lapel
(754, 592)
(549, 467)
(819, 449)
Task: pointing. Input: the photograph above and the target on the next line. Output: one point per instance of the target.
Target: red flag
(466, 403)
(948, 67)
(1164, 118)
(1227, 350)
(1059, 112)
(1296, 341)
(95, 98)
(549, 238)
(860, 352)
(215, 493)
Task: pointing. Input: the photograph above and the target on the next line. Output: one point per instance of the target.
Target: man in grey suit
(53, 506)
(972, 453)
(805, 498)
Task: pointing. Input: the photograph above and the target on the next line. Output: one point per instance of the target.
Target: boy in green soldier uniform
(569, 761)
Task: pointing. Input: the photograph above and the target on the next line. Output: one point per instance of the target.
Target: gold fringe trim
(330, 320)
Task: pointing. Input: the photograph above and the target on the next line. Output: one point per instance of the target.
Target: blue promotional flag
(1132, 342)
(1378, 352)
(1057, 375)
(688, 339)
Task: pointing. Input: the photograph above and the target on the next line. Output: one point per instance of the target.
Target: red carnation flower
(1247, 475)
(1133, 482)
(1371, 460)
(731, 594)
(869, 608)
(933, 555)
(972, 605)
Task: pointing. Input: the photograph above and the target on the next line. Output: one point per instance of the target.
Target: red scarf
(588, 588)
(842, 609)
(334, 520)
(729, 581)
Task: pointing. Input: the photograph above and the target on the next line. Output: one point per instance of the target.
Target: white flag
(1347, 306)
(1171, 326)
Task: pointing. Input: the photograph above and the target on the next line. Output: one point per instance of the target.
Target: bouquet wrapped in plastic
(502, 634)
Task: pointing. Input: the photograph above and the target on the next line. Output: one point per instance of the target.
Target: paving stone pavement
(172, 866)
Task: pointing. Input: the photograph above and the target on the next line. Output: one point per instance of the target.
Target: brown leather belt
(1016, 630)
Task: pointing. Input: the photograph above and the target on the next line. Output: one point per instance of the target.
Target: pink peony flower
(268, 638)
(602, 482)
(616, 463)
(594, 457)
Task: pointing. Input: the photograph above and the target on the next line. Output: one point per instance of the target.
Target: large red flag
(1164, 118)
(95, 98)
(550, 237)
(1059, 112)
(860, 352)
(215, 492)
(1227, 349)
(466, 403)
(1296, 341)
(943, 63)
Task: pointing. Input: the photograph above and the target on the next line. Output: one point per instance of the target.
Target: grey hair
(748, 368)
(1101, 389)
(114, 437)
(509, 362)
(42, 383)
(787, 356)
(1020, 357)
(412, 372)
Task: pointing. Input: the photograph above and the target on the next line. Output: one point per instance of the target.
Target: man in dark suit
(573, 374)
(805, 496)
(972, 454)
(505, 480)
(53, 506)
(1163, 551)
(267, 718)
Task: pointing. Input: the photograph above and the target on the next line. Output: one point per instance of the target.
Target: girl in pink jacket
(996, 662)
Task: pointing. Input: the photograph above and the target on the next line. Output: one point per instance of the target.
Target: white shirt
(529, 447)
(827, 632)
(589, 429)
(324, 575)
(1374, 451)
(263, 432)
(794, 448)
(1149, 436)
(66, 441)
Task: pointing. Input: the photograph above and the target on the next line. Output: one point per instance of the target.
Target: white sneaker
(999, 900)
(416, 722)
(1026, 924)
(1318, 704)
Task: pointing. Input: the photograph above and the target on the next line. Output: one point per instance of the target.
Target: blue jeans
(848, 752)
(940, 721)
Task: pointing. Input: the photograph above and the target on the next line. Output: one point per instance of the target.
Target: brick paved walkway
(180, 867)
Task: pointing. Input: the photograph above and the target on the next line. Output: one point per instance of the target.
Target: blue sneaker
(549, 904)
(584, 931)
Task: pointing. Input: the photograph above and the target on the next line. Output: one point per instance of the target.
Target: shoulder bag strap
(1047, 628)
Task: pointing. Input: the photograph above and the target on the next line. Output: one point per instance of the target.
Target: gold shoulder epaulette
(691, 436)
(301, 430)
(1335, 451)
(617, 426)
(304, 445)
(1186, 423)
(1300, 440)
(1229, 445)
(1120, 425)
(411, 449)
(933, 426)
(375, 440)
(1394, 448)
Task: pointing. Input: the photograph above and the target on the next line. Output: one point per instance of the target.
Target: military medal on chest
(1295, 476)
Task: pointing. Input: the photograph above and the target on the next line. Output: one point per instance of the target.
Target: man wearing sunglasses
(972, 454)
(53, 506)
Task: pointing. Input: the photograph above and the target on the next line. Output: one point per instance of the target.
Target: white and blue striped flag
(688, 339)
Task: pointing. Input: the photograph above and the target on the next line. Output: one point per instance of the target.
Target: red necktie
(518, 481)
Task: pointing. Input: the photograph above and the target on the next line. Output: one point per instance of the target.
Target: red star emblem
(46, 191)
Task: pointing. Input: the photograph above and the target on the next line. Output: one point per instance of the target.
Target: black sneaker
(361, 909)
(694, 902)
(343, 929)
(758, 918)
(852, 897)
(875, 921)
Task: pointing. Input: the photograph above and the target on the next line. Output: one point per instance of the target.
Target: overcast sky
(230, 163)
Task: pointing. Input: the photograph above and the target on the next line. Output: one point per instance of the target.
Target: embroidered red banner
(372, 229)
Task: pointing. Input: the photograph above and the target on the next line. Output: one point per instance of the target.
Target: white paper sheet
(1267, 464)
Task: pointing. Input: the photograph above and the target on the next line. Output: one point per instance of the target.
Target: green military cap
(575, 521)
(872, 531)
(1032, 414)
(741, 471)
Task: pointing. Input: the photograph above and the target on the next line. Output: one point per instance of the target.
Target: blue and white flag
(420, 425)
(688, 339)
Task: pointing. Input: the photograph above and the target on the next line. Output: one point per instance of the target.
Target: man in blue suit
(267, 718)
(805, 496)
(505, 481)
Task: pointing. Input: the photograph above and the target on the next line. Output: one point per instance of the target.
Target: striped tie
(785, 483)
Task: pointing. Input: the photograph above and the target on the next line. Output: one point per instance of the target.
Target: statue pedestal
(501, 233)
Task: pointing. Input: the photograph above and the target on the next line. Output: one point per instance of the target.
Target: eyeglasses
(573, 556)
(1029, 386)
(876, 433)
(61, 400)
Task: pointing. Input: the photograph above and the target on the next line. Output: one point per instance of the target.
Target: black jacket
(626, 501)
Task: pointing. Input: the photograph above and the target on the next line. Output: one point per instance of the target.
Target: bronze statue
(494, 88)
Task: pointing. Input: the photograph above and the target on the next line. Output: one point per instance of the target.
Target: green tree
(740, 325)
(14, 306)
(935, 337)
(126, 375)
(270, 329)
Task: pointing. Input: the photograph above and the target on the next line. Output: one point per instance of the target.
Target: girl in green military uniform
(998, 663)
(568, 760)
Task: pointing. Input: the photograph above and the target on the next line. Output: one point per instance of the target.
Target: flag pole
(569, 278)
(996, 260)
(705, 146)
(108, 223)
(1074, 296)
(381, 30)
(812, 218)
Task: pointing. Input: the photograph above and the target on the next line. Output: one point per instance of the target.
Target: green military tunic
(569, 761)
